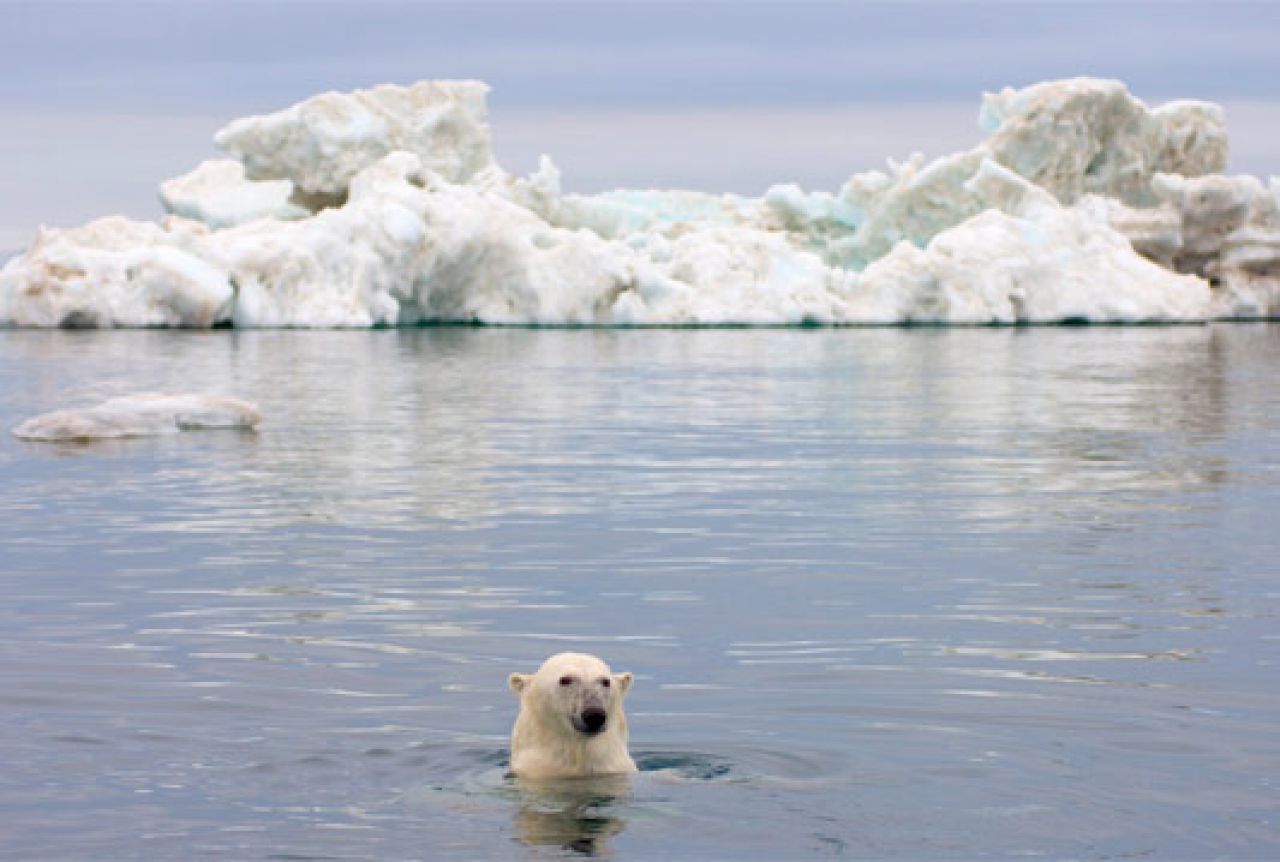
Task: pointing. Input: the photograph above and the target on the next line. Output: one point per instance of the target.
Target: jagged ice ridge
(385, 206)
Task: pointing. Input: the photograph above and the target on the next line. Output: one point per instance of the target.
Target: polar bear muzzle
(591, 720)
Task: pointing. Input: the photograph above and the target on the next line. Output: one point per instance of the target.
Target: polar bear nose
(593, 719)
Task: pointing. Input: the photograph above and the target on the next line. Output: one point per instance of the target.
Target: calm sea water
(887, 593)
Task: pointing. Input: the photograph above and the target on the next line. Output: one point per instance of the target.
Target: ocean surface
(887, 593)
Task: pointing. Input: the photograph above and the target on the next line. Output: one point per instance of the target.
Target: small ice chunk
(140, 416)
(218, 194)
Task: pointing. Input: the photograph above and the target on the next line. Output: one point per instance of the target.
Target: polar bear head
(571, 721)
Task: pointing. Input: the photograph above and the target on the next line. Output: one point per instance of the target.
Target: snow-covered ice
(218, 194)
(140, 416)
(1037, 261)
(1089, 136)
(385, 207)
(322, 143)
(116, 272)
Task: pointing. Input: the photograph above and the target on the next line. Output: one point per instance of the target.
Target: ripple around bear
(571, 722)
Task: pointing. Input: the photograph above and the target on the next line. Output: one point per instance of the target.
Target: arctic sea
(887, 593)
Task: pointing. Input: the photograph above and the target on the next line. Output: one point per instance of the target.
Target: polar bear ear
(624, 681)
(518, 681)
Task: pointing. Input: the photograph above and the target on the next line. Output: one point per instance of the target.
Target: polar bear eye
(605, 682)
(566, 680)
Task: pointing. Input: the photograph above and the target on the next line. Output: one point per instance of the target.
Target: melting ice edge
(385, 206)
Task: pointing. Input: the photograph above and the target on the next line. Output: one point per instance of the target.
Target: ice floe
(140, 416)
(386, 207)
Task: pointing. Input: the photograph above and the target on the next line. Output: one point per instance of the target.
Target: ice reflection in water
(888, 593)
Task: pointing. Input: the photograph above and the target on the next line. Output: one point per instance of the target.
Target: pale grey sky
(100, 101)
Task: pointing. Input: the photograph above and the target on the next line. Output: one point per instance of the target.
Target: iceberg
(139, 416)
(386, 207)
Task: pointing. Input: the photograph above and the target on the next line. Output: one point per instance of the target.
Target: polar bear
(571, 723)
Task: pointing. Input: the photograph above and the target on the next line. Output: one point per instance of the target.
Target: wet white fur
(544, 742)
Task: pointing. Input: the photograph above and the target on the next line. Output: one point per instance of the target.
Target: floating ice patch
(140, 416)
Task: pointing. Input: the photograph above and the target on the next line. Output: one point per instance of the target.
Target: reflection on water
(453, 426)
(912, 593)
(578, 816)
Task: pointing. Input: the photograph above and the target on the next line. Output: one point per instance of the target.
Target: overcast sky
(99, 101)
